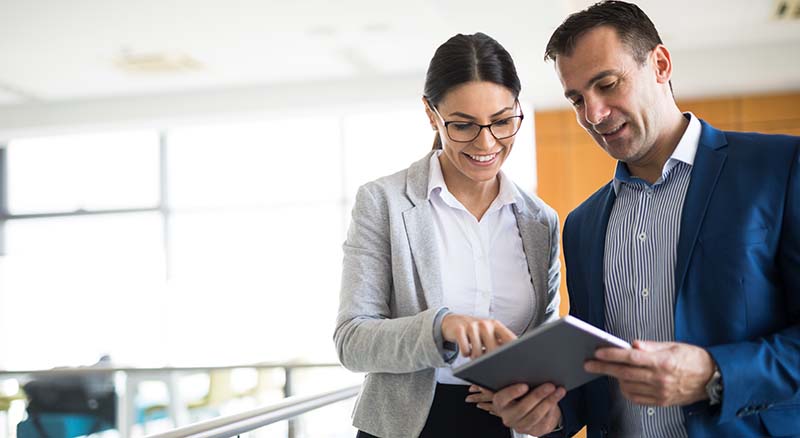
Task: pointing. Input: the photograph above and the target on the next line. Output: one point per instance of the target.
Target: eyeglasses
(465, 132)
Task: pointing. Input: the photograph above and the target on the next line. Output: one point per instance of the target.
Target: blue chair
(61, 426)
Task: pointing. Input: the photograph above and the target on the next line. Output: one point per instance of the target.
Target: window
(83, 172)
(372, 150)
(197, 245)
(258, 164)
(83, 249)
(77, 287)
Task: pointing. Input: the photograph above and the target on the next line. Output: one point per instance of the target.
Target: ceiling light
(156, 62)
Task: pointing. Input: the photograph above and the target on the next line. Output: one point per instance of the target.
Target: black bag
(88, 394)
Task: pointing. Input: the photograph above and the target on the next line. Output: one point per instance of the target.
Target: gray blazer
(392, 291)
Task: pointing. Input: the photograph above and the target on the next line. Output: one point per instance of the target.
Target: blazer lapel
(596, 289)
(534, 235)
(419, 229)
(708, 164)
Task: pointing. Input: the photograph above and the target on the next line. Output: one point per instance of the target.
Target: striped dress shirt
(639, 275)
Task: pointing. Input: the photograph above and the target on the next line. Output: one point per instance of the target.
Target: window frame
(160, 207)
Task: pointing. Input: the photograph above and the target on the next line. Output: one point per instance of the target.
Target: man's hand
(533, 412)
(657, 373)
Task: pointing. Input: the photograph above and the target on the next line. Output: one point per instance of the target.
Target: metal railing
(232, 425)
(131, 376)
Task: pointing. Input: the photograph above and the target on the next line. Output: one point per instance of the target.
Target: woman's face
(479, 102)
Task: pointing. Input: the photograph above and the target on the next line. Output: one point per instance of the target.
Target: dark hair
(633, 27)
(466, 58)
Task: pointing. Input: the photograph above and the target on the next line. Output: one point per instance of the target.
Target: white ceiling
(56, 55)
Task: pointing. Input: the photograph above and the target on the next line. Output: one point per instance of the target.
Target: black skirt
(451, 416)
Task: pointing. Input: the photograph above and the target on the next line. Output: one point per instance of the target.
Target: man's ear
(430, 114)
(662, 64)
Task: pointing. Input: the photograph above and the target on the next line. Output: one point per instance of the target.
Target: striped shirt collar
(684, 152)
(507, 195)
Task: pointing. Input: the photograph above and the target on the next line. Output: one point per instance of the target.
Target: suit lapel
(419, 230)
(707, 166)
(598, 227)
(596, 290)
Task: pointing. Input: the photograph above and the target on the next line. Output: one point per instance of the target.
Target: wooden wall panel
(771, 108)
(553, 181)
(591, 168)
(552, 125)
(724, 113)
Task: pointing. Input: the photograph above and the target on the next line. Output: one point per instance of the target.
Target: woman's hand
(529, 411)
(475, 336)
(482, 396)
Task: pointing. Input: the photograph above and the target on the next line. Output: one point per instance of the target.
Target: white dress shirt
(484, 268)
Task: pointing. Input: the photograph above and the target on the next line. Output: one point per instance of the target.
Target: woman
(446, 256)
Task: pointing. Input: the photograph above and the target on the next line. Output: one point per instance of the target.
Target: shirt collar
(684, 152)
(508, 194)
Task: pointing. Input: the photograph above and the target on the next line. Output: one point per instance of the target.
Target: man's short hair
(633, 27)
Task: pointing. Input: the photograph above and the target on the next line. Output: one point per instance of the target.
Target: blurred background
(176, 176)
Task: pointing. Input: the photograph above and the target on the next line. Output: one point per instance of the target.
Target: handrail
(89, 370)
(232, 425)
(169, 375)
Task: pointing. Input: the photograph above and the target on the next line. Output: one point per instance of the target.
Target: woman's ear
(430, 114)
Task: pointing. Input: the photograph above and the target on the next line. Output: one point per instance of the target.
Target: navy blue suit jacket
(737, 285)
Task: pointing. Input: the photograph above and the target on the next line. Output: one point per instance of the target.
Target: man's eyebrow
(572, 92)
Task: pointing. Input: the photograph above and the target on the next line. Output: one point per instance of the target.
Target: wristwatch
(714, 387)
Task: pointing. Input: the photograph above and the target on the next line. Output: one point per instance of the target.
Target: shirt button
(645, 292)
(651, 412)
(642, 236)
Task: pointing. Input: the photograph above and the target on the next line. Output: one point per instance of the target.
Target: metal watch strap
(714, 387)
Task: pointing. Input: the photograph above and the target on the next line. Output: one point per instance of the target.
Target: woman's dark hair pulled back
(466, 58)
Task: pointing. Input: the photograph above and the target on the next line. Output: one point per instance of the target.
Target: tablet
(553, 352)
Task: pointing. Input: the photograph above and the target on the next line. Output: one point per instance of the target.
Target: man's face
(616, 99)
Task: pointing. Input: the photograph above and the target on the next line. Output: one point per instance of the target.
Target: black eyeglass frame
(446, 124)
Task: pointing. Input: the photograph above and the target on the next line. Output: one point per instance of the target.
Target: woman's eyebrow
(467, 116)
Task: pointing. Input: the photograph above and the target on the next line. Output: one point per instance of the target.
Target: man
(694, 246)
